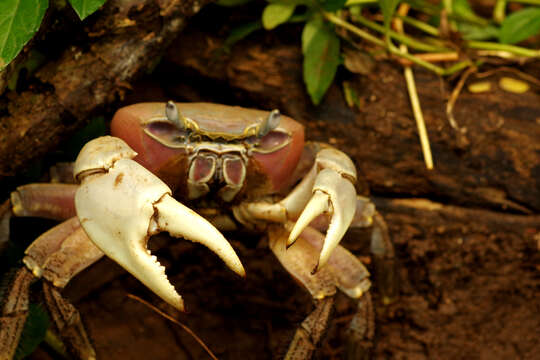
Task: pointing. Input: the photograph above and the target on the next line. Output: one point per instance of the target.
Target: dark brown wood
(125, 40)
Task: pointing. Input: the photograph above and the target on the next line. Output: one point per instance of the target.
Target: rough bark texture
(125, 39)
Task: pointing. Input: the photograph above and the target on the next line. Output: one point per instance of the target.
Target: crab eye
(273, 141)
(166, 133)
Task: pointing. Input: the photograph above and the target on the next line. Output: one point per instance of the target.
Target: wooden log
(123, 41)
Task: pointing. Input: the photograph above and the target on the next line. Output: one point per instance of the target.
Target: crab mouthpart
(122, 208)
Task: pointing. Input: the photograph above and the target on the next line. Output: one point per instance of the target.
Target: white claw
(317, 205)
(331, 193)
(180, 220)
(121, 208)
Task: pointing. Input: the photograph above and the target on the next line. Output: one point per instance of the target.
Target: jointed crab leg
(57, 256)
(343, 271)
(121, 204)
(381, 246)
(51, 201)
(14, 312)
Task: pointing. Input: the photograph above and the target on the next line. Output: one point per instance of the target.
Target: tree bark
(121, 39)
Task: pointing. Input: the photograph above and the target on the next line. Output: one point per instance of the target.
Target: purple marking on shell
(272, 140)
(202, 168)
(234, 171)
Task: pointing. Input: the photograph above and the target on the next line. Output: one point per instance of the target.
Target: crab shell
(267, 167)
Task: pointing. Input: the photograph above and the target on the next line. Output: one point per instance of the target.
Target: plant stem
(499, 11)
(431, 30)
(530, 2)
(355, 30)
(517, 50)
(359, 2)
(413, 43)
(56, 344)
(392, 48)
(413, 94)
(449, 8)
(430, 9)
(367, 36)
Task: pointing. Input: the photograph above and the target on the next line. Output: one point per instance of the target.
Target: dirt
(467, 235)
(468, 290)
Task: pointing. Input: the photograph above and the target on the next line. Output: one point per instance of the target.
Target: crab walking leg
(381, 246)
(384, 260)
(353, 279)
(361, 330)
(14, 312)
(61, 253)
(298, 261)
(67, 321)
(121, 204)
(51, 201)
(343, 271)
(57, 256)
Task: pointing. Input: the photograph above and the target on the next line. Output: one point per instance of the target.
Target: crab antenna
(173, 115)
(270, 123)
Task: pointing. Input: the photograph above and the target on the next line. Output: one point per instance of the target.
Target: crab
(236, 167)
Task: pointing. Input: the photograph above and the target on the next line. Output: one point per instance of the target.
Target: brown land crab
(251, 168)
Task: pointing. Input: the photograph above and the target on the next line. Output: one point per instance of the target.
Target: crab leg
(343, 271)
(121, 204)
(381, 246)
(57, 256)
(14, 312)
(51, 201)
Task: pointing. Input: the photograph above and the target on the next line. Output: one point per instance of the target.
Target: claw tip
(315, 269)
(291, 240)
(242, 272)
(181, 306)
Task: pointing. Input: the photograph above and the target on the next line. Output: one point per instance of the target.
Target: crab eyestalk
(270, 123)
(174, 116)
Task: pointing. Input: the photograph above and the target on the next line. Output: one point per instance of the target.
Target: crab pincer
(331, 181)
(120, 205)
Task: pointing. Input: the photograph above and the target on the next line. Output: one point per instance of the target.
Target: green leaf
(240, 32)
(84, 8)
(309, 31)
(320, 45)
(33, 333)
(463, 10)
(33, 62)
(333, 5)
(276, 14)
(477, 32)
(520, 25)
(19, 21)
(388, 7)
